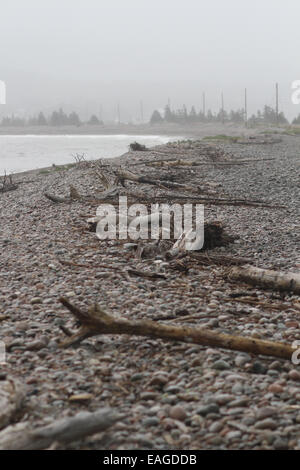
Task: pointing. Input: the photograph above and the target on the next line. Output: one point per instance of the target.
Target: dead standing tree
(7, 184)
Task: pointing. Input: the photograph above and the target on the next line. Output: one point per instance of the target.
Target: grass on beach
(292, 131)
(222, 137)
(54, 168)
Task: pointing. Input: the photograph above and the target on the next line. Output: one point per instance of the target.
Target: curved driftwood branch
(95, 321)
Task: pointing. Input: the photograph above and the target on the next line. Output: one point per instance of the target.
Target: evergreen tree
(193, 117)
(73, 119)
(169, 117)
(13, 121)
(156, 118)
(54, 120)
(94, 121)
(210, 117)
(282, 119)
(237, 116)
(32, 121)
(41, 120)
(296, 120)
(184, 113)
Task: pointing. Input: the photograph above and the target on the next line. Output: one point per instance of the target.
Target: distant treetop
(183, 116)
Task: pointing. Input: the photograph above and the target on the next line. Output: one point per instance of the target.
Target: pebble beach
(171, 395)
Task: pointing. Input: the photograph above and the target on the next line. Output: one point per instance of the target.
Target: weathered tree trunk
(265, 278)
(95, 321)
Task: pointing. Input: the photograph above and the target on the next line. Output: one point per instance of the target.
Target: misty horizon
(90, 56)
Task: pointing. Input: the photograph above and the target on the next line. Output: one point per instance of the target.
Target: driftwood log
(22, 437)
(128, 175)
(12, 394)
(74, 195)
(180, 162)
(178, 197)
(208, 259)
(56, 199)
(95, 321)
(113, 193)
(189, 259)
(265, 278)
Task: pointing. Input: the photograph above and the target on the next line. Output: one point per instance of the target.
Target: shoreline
(58, 153)
(197, 130)
(172, 130)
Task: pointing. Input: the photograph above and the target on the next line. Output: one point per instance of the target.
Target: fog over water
(91, 55)
(20, 153)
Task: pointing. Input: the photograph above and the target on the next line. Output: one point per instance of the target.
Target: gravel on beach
(174, 396)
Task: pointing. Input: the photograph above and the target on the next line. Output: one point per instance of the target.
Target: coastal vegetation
(182, 116)
(56, 119)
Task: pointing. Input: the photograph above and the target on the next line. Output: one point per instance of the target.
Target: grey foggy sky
(86, 53)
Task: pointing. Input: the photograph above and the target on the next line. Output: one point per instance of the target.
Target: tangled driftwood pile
(117, 181)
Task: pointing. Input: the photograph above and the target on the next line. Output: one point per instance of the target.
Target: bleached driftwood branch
(22, 437)
(95, 322)
(266, 278)
(12, 394)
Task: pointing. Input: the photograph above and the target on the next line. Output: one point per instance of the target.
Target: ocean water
(28, 152)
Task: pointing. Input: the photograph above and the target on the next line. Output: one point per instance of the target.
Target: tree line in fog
(182, 116)
(57, 118)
